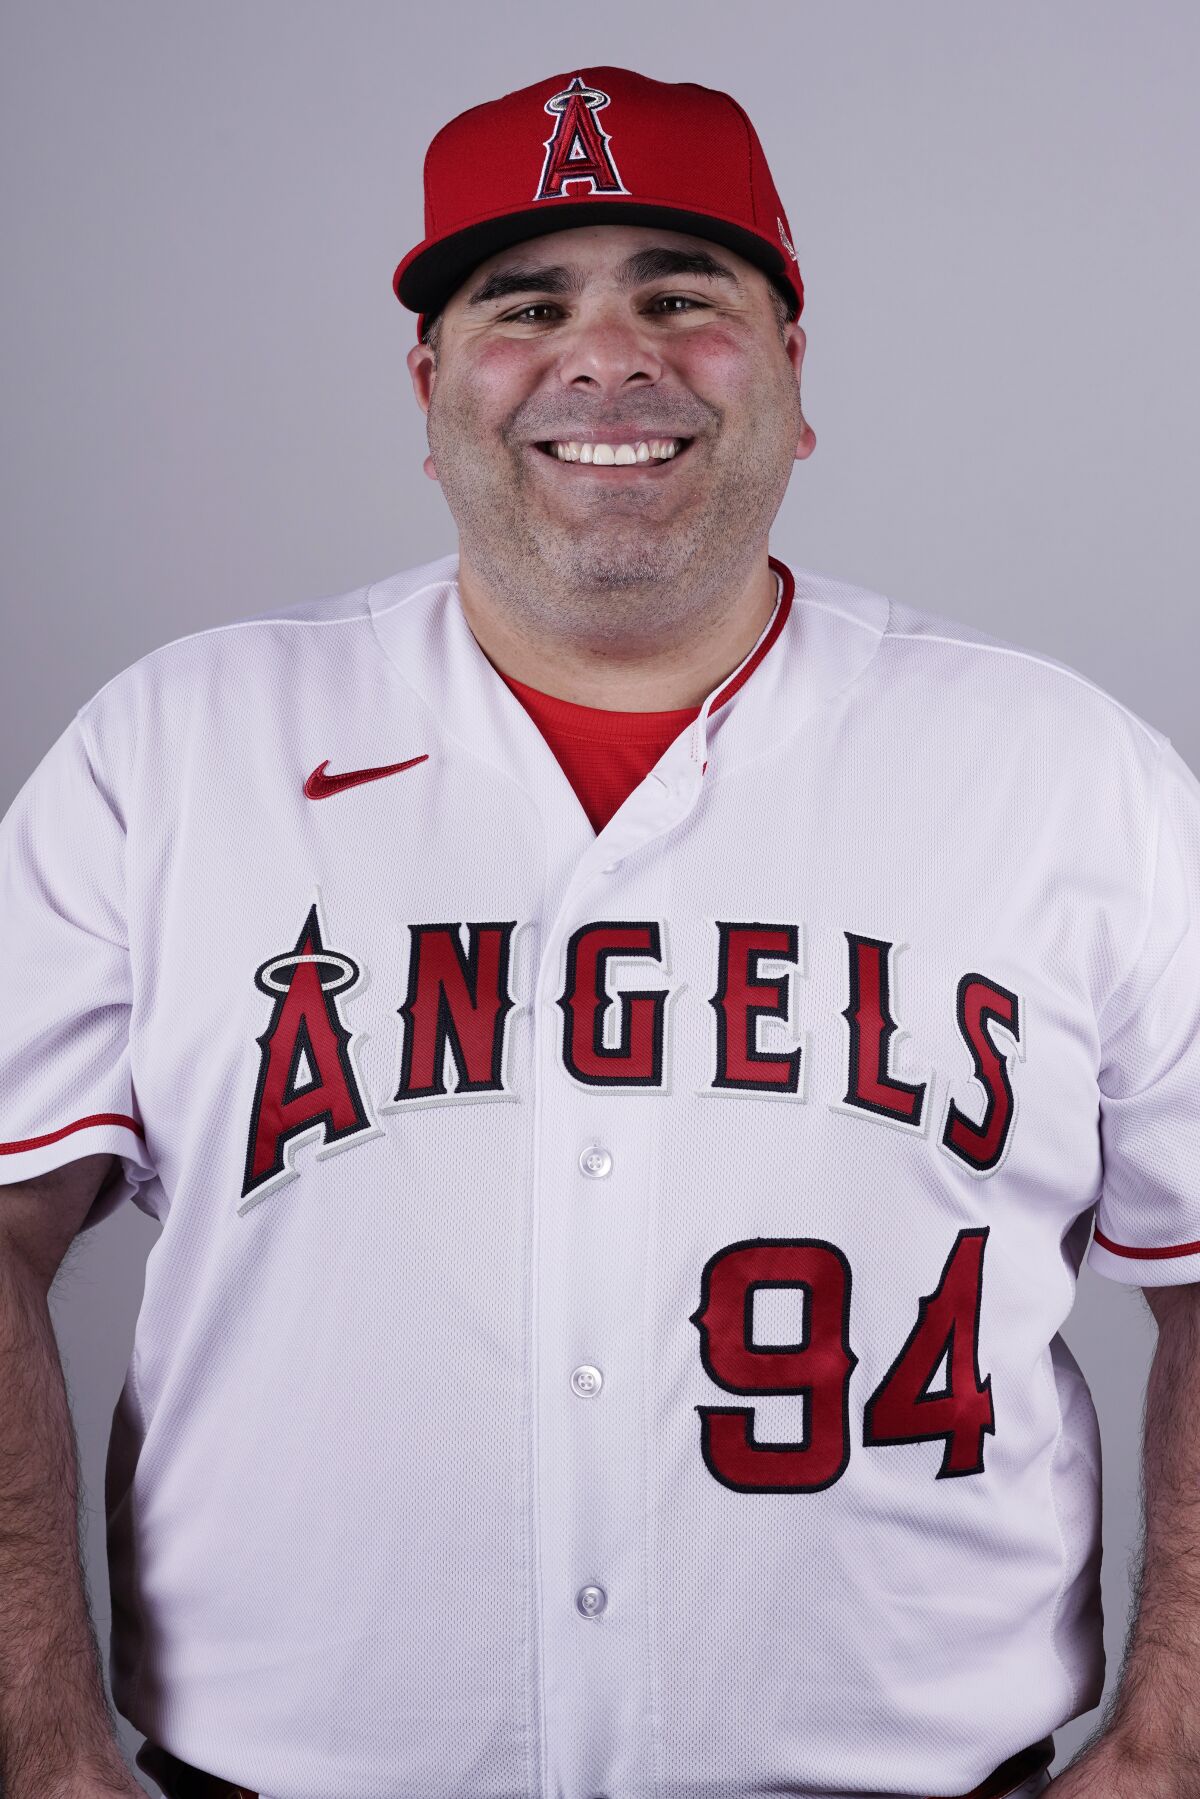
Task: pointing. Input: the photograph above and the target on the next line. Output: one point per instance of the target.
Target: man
(627, 1040)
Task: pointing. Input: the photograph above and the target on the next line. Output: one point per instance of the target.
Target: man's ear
(795, 344)
(422, 368)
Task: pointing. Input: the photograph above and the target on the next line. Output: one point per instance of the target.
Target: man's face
(618, 335)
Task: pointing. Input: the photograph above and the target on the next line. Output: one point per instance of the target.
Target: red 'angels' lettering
(872, 1028)
(457, 997)
(979, 1001)
(456, 1018)
(743, 996)
(306, 1078)
(636, 1059)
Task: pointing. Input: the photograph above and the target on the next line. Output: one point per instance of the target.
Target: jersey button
(591, 1601)
(595, 1162)
(586, 1380)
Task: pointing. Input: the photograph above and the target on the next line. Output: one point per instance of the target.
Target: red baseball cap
(593, 147)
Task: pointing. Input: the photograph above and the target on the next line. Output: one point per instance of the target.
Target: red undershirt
(604, 755)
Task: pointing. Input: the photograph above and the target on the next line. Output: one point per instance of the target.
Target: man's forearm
(1156, 1709)
(53, 1708)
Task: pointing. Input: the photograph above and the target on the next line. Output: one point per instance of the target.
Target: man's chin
(611, 560)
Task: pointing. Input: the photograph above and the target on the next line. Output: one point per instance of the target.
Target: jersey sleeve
(66, 1087)
(1147, 1224)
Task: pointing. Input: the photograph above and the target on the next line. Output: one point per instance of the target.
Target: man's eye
(513, 318)
(673, 302)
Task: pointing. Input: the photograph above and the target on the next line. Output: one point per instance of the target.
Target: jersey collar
(808, 653)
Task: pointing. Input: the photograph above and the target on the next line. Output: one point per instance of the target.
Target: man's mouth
(615, 455)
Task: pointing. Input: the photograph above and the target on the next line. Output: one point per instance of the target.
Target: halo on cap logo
(577, 149)
(785, 240)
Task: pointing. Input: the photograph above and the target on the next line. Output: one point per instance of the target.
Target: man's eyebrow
(503, 282)
(661, 259)
(645, 265)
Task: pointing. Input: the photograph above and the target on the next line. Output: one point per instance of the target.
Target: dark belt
(179, 1781)
(1018, 1768)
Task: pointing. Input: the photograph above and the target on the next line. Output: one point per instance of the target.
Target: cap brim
(428, 277)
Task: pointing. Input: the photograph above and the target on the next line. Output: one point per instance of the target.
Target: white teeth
(654, 449)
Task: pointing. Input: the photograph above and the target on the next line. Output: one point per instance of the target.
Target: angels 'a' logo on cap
(577, 149)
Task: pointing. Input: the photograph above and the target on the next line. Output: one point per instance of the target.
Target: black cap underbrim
(433, 277)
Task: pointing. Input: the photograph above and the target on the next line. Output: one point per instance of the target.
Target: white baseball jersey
(603, 1337)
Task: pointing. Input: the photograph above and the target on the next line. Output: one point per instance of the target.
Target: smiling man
(614, 413)
(629, 1042)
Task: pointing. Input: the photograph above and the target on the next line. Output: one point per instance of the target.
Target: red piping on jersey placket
(777, 623)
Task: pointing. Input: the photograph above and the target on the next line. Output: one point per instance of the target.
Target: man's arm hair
(1154, 1713)
(55, 1717)
(40, 1219)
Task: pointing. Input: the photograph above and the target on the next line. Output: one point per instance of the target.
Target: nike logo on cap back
(319, 785)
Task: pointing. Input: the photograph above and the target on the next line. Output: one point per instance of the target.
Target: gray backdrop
(209, 414)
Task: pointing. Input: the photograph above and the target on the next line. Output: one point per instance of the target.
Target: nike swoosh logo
(319, 785)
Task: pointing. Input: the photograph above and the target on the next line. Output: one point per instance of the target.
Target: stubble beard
(613, 576)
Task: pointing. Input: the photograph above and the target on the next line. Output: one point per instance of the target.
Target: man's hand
(1110, 1769)
(101, 1778)
(1149, 1747)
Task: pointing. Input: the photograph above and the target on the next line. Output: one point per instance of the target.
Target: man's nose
(608, 351)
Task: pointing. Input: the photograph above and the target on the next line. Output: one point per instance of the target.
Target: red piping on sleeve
(1144, 1255)
(80, 1124)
